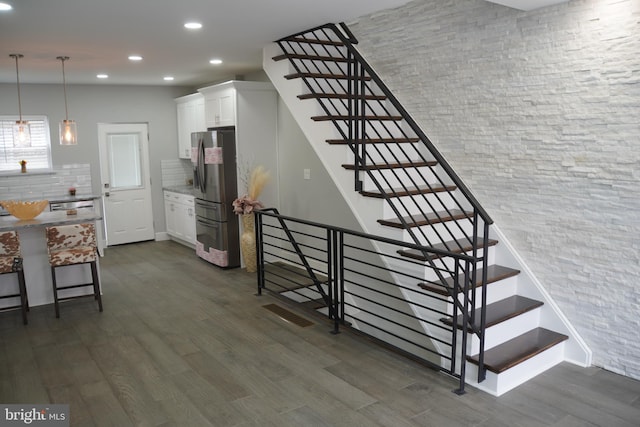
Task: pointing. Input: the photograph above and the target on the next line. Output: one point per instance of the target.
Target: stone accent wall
(539, 113)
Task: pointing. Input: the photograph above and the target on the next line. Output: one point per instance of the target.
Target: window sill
(28, 173)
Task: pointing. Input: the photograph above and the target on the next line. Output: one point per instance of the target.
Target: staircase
(399, 186)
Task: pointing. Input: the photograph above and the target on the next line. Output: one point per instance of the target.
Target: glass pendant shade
(68, 128)
(21, 134)
(68, 132)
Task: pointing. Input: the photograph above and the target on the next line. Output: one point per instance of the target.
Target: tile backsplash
(176, 172)
(55, 183)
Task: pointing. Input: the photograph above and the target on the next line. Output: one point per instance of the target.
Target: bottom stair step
(508, 354)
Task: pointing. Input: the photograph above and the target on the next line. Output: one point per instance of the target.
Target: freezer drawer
(217, 242)
(211, 210)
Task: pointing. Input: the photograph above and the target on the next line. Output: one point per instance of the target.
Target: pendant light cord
(16, 56)
(64, 85)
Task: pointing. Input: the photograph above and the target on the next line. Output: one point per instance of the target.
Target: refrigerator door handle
(202, 167)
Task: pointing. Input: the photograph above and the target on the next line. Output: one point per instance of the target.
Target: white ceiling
(98, 36)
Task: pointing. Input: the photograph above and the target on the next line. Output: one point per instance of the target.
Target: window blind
(37, 156)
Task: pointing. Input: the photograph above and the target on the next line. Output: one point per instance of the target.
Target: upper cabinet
(191, 118)
(219, 105)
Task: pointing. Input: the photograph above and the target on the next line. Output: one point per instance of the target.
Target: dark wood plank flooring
(183, 343)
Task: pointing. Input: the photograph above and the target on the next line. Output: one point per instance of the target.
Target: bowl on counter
(24, 209)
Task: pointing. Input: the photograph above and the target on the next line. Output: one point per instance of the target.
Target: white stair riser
(498, 384)
(504, 331)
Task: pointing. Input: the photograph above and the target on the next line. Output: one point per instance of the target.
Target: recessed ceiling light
(5, 6)
(168, 78)
(135, 58)
(193, 25)
(103, 76)
(215, 61)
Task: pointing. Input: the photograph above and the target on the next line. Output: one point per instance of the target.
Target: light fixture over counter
(21, 130)
(68, 128)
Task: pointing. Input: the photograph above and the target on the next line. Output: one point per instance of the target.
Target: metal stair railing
(299, 253)
(315, 55)
(363, 291)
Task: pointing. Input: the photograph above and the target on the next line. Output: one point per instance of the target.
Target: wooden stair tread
(513, 352)
(376, 141)
(309, 57)
(401, 165)
(325, 76)
(409, 191)
(341, 96)
(347, 117)
(500, 311)
(314, 41)
(495, 273)
(431, 218)
(457, 246)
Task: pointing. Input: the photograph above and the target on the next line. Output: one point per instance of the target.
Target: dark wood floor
(183, 343)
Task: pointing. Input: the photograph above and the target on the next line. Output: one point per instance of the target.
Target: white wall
(93, 104)
(316, 199)
(539, 113)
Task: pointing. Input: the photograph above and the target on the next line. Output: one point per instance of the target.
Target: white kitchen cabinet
(190, 109)
(180, 217)
(220, 106)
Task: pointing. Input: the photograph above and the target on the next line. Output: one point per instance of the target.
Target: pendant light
(21, 130)
(68, 129)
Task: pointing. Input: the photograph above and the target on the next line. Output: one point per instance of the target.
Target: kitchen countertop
(46, 219)
(67, 198)
(53, 199)
(182, 189)
(59, 198)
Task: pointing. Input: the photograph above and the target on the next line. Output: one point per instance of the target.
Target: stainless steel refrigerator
(213, 154)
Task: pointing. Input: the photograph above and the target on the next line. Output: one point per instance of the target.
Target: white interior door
(126, 184)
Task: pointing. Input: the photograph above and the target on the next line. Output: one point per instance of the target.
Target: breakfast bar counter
(37, 271)
(47, 219)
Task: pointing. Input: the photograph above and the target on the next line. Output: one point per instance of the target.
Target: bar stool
(11, 262)
(71, 245)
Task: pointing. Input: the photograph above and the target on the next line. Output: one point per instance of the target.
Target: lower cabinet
(180, 217)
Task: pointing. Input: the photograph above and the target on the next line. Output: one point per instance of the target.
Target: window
(38, 156)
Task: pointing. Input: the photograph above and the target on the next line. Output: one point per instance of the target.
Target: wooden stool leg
(96, 284)
(55, 291)
(24, 302)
